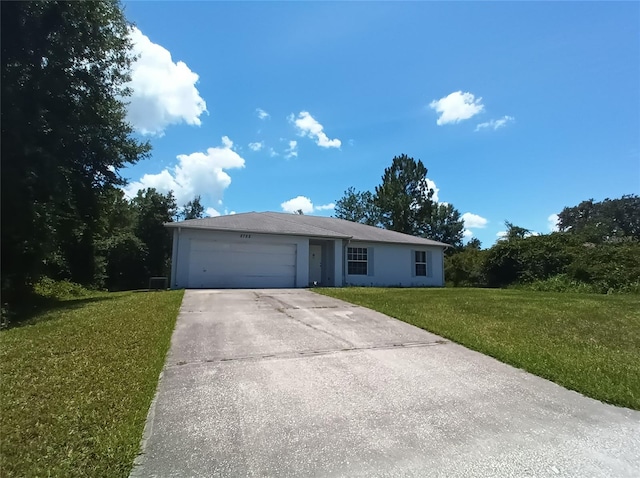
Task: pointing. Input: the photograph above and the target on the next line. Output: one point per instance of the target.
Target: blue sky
(517, 109)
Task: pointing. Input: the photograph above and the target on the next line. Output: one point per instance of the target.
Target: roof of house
(302, 225)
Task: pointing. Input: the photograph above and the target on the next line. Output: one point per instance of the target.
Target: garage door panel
(215, 264)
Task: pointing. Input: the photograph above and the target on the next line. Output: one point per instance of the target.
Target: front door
(315, 264)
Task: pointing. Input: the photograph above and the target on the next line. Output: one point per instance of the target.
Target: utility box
(158, 283)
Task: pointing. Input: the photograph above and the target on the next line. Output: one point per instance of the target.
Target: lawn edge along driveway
(77, 382)
(589, 343)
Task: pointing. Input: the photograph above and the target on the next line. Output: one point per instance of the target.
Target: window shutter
(429, 263)
(412, 263)
(370, 261)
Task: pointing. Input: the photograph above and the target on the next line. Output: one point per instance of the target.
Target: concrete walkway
(289, 383)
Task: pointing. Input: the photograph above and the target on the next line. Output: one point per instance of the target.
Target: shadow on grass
(26, 314)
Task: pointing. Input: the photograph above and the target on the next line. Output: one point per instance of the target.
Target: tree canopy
(64, 134)
(404, 198)
(357, 206)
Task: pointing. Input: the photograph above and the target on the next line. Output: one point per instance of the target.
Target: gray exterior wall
(392, 265)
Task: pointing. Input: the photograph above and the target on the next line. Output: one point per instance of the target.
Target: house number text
(245, 236)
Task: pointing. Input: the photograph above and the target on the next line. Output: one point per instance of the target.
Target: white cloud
(305, 205)
(473, 221)
(272, 153)
(495, 124)
(163, 92)
(298, 203)
(262, 114)
(456, 107)
(501, 234)
(195, 174)
(552, 222)
(292, 150)
(210, 212)
(467, 233)
(256, 146)
(309, 127)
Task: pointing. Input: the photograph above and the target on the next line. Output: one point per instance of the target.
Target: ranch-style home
(277, 250)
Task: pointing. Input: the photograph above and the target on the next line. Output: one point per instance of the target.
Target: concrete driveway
(290, 383)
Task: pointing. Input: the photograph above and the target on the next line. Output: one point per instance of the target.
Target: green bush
(466, 268)
(535, 258)
(608, 267)
(59, 290)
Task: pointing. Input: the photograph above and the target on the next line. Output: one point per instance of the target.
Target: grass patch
(77, 382)
(585, 342)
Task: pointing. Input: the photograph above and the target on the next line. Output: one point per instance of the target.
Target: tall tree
(445, 225)
(357, 206)
(515, 232)
(193, 209)
(611, 218)
(404, 198)
(473, 244)
(64, 133)
(153, 210)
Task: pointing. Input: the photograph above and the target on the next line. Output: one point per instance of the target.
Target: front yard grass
(585, 342)
(77, 381)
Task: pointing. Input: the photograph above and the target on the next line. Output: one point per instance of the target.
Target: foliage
(125, 257)
(613, 267)
(466, 268)
(357, 206)
(445, 225)
(585, 342)
(404, 198)
(192, 210)
(78, 382)
(64, 134)
(153, 210)
(561, 261)
(521, 260)
(474, 243)
(605, 220)
(60, 290)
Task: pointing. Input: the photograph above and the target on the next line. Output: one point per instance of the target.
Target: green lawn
(77, 382)
(585, 342)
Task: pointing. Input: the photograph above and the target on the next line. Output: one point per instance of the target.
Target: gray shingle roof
(302, 225)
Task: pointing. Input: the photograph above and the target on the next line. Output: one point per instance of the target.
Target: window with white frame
(421, 263)
(357, 261)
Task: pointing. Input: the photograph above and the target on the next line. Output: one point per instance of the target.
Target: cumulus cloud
(308, 126)
(163, 92)
(299, 203)
(256, 146)
(467, 234)
(304, 204)
(210, 212)
(552, 222)
(262, 114)
(473, 221)
(501, 234)
(292, 150)
(495, 124)
(456, 107)
(200, 173)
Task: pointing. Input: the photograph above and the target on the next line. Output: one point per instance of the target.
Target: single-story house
(271, 250)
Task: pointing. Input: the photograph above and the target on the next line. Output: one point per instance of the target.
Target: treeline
(65, 68)
(597, 249)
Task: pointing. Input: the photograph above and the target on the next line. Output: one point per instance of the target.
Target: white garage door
(214, 264)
